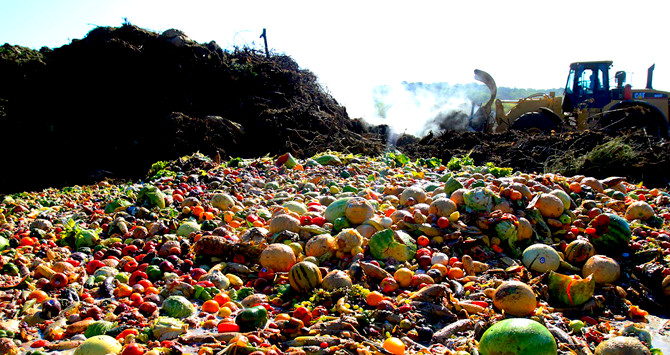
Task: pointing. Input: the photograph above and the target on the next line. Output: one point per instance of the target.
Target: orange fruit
(210, 306)
(373, 298)
(456, 273)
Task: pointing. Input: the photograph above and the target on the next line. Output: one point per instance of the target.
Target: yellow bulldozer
(588, 102)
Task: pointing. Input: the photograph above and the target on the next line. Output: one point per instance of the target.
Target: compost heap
(332, 254)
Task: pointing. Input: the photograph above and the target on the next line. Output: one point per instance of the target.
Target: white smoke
(417, 109)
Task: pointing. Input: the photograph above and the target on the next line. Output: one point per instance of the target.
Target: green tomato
(154, 272)
(252, 318)
(341, 223)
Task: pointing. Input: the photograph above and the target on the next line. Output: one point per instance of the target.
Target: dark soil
(119, 99)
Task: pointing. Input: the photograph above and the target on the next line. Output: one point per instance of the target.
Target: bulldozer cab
(587, 86)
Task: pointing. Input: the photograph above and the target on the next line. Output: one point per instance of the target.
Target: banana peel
(570, 291)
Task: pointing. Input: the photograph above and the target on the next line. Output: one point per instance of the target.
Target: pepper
(252, 318)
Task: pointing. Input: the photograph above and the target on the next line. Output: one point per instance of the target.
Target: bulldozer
(588, 102)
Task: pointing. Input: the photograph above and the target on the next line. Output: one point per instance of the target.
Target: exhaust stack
(650, 75)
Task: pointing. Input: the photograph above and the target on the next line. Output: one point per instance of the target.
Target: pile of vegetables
(334, 254)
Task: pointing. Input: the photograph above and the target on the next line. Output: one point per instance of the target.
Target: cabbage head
(479, 199)
(86, 238)
(165, 328)
(506, 230)
(100, 327)
(177, 307)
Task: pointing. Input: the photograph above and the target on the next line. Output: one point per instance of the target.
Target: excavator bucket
(480, 121)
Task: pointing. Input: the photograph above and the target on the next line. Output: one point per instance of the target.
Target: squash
(550, 206)
(457, 197)
(515, 298)
(604, 270)
(541, 258)
(222, 201)
(523, 189)
(639, 210)
(278, 257)
(524, 230)
(567, 201)
(349, 240)
(442, 207)
(320, 244)
(621, 345)
(304, 276)
(578, 251)
(284, 222)
(335, 279)
(99, 345)
(415, 192)
(359, 210)
(593, 183)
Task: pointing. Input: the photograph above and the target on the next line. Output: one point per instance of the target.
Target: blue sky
(354, 45)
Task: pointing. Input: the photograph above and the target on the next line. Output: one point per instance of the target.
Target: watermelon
(516, 336)
(304, 276)
(611, 232)
(336, 209)
(571, 290)
(452, 185)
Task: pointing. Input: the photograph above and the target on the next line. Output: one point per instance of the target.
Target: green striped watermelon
(611, 232)
(304, 276)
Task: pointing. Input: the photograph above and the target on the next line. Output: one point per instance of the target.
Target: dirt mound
(634, 155)
(121, 98)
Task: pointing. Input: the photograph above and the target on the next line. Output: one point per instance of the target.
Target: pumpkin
(550, 206)
(359, 210)
(578, 251)
(304, 276)
(639, 210)
(284, 222)
(278, 257)
(611, 232)
(515, 298)
(605, 270)
(336, 279)
(320, 244)
(442, 207)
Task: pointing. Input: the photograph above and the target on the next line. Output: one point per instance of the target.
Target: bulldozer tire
(629, 114)
(536, 122)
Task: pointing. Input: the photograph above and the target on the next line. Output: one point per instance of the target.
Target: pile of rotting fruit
(336, 254)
